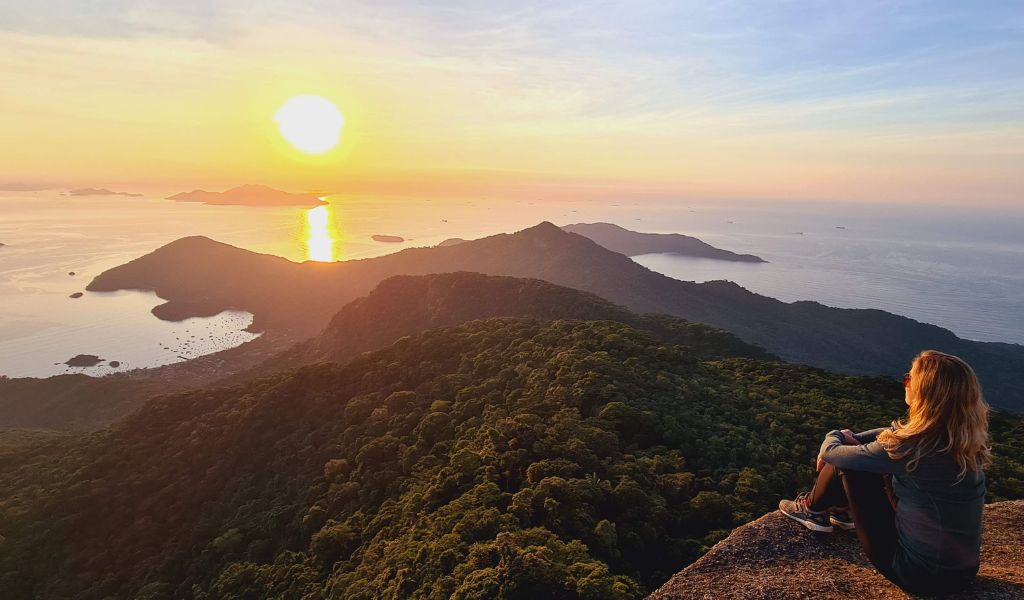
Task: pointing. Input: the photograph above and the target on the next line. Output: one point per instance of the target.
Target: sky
(875, 101)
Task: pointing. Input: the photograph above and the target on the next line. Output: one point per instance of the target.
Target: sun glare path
(312, 124)
(321, 234)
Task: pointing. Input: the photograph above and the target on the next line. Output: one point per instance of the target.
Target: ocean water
(957, 267)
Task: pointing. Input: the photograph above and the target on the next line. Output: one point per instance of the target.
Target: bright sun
(310, 123)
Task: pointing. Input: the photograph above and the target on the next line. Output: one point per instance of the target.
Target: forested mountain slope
(565, 459)
(198, 276)
(399, 306)
(407, 305)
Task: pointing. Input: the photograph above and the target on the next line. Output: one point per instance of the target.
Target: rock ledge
(775, 558)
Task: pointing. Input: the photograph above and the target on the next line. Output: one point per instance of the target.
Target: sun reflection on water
(321, 234)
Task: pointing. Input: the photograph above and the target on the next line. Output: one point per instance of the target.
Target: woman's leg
(873, 512)
(828, 490)
(812, 508)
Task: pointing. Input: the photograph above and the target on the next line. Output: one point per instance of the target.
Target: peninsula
(633, 243)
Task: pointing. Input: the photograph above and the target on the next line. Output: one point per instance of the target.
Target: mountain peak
(544, 228)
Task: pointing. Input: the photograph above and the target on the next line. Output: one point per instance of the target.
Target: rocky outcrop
(775, 558)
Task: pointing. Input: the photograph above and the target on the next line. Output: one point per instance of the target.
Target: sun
(311, 124)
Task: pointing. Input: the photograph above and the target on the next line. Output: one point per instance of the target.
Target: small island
(249, 195)
(84, 360)
(388, 239)
(99, 192)
(76, 295)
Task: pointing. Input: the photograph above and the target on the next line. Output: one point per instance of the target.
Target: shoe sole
(841, 525)
(809, 524)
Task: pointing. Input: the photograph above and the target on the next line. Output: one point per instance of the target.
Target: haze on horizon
(878, 101)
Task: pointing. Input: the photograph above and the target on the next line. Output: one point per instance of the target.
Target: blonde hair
(947, 414)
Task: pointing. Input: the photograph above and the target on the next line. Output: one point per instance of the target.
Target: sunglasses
(906, 379)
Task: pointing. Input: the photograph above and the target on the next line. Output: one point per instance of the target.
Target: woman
(915, 491)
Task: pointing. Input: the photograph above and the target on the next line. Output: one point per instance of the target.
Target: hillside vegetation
(399, 306)
(504, 458)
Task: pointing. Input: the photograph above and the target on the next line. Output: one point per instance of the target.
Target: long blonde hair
(947, 414)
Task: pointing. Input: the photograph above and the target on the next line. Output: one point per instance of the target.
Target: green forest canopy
(505, 458)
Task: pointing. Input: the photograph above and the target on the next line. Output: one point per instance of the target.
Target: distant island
(389, 239)
(99, 192)
(84, 360)
(633, 243)
(249, 195)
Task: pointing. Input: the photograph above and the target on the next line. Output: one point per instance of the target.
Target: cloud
(118, 18)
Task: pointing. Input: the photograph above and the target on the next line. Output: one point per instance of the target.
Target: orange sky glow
(424, 115)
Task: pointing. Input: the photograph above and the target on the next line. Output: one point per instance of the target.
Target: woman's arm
(870, 457)
(866, 437)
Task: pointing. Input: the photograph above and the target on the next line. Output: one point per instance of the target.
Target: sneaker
(842, 520)
(799, 512)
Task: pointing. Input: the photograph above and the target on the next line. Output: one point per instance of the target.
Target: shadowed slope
(407, 305)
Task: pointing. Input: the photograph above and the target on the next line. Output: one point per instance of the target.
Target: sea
(957, 266)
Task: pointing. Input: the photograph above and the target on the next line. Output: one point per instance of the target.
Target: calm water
(955, 267)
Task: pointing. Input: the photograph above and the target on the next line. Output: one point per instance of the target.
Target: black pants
(869, 499)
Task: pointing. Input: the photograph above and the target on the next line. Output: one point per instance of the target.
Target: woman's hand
(848, 440)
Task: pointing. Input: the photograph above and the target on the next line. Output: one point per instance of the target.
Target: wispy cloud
(639, 89)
